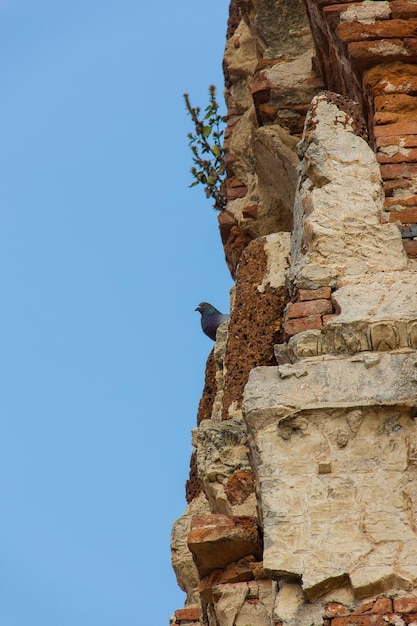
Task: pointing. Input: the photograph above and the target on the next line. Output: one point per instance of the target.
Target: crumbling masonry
(302, 496)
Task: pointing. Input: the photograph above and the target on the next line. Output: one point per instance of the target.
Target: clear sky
(104, 253)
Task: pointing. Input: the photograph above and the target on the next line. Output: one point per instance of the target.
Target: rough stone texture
(182, 560)
(193, 485)
(282, 91)
(346, 469)
(256, 318)
(328, 383)
(335, 239)
(243, 603)
(205, 406)
(222, 453)
(264, 160)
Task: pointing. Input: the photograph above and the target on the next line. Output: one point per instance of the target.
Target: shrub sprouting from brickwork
(207, 149)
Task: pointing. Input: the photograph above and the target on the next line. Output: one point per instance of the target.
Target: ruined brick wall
(382, 612)
(302, 497)
(368, 51)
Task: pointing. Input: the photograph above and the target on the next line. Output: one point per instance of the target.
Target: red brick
(398, 130)
(395, 170)
(386, 117)
(406, 141)
(393, 185)
(381, 605)
(357, 31)
(310, 307)
(409, 201)
(366, 53)
(251, 210)
(332, 13)
(396, 102)
(236, 192)
(314, 294)
(405, 605)
(294, 326)
(391, 78)
(327, 318)
(336, 609)
(234, 182)
(409, 156)
(403, 10)
(410, 246)
(407, 216)
(189, 614)
(360, 620)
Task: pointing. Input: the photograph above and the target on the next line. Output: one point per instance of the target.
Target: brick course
(368, 51)
(311, 310)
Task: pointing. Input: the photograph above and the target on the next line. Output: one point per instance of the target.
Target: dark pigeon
(211, 319)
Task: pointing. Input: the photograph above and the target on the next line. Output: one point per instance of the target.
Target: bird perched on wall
(211, 319)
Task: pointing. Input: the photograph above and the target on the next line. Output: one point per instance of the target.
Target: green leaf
(207, 131)
(211, 180)
(216, 150)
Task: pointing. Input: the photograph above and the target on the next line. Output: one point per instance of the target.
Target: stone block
(334, 239)
(182, 561)
(222, 454)
(228, 600)
(324, 431)
(334, 382)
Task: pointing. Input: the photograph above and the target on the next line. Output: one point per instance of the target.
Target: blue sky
(104, 254)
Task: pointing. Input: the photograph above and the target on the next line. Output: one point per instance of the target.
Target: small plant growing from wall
(207, 149)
